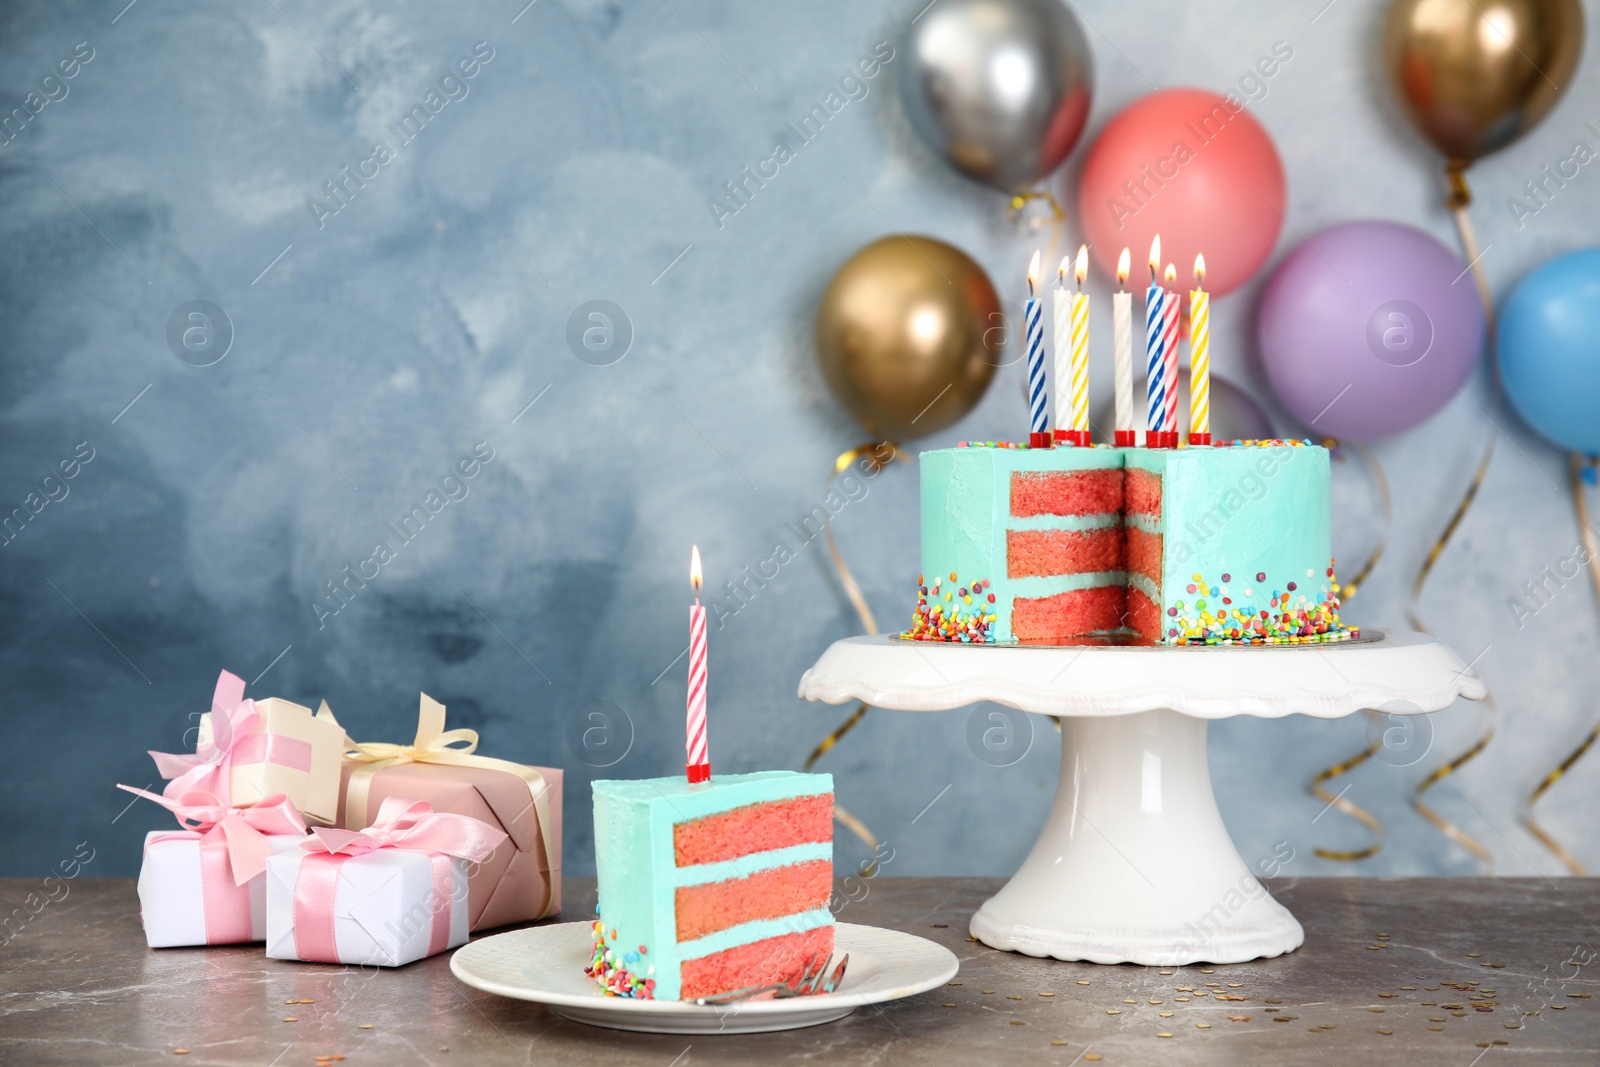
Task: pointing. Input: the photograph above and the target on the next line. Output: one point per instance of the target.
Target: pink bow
(239, 831)
(206, 769)
(411, 824)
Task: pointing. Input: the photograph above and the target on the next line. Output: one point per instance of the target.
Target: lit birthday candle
(1033, 315)
(1169, 357)
(1062, 323)
(1155, 365)
(1122, 353)
(699, 761)
(1199, 357)
(1078, 434)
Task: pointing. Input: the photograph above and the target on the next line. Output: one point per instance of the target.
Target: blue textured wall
(381, 337)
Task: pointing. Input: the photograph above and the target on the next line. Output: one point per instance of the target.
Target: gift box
(394, 893)
(206, 885)
(248, 750)
(521, 880)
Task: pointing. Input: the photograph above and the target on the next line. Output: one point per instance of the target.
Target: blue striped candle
(1155, 381)
(1033, 315)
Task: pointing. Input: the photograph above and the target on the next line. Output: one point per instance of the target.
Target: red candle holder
(1127, 438)
(1041, 440)
(1077, 438)
(1199, 439)
(699, 772)
(1152, 439)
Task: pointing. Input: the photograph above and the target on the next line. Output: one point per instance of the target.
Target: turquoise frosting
(634, 859)
(1234, 510)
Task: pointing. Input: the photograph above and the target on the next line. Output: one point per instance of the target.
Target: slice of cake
(714, 887)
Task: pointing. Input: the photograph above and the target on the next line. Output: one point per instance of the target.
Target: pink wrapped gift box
(521, 880)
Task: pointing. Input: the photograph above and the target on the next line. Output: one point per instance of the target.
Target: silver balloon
(998, 88)
(1235, 415)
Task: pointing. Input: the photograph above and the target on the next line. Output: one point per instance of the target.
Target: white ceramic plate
(545, 964)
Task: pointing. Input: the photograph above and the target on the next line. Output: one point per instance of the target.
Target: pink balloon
(1188, 165)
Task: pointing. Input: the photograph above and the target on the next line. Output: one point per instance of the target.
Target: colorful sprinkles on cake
(607, 967)
(1255, 613)
(955, 613)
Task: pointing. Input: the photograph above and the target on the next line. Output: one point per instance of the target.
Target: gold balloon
(1474, 75)
(909, 334)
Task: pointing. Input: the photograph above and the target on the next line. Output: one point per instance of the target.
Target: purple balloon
(1368, 328)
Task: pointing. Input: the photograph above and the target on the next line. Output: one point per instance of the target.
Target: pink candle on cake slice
(699, 757)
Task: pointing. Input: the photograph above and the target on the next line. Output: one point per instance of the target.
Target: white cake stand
(1134, 864)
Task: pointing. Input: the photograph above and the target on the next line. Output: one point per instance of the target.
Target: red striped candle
(699, 764)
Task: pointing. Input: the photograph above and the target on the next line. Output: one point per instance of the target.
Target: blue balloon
(1550, 350)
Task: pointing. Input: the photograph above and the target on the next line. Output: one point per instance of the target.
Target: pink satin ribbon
(408, 825)
(233, 850)
(206, 769)
(290, 752)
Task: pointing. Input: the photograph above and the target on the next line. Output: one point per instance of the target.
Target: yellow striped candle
(1080, 351)
(1199, 357)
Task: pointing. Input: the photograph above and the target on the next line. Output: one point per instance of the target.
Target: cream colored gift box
(291, 750)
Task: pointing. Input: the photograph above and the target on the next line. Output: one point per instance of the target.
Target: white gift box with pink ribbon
(206, 884)
(390, 894)
(248, 750)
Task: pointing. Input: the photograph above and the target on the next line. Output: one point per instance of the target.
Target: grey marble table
(1453, 972)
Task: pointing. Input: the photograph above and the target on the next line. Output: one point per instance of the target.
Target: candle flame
(1080, 269)
(1200, 271)
(1155, 257)
(1033, 272)
(695, 577)
(1171, 274)
(1124, 261)
(1061, 271)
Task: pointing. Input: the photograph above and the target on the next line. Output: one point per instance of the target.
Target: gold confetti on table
(180, 1052)
(1203, 1026)
(1386, 1033)
(1164, 1033)
(1046, 994)
(1113, 1011)
(366, 1026)
(1164, 1014)
(1093, 1056)
(291, 1019)
(1058, 1041)
(1083, 981)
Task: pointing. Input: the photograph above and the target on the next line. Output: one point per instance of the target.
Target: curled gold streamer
(1350, 808)
(1346, 592)
(873, 453)
(1460, 198)
(1580, 507)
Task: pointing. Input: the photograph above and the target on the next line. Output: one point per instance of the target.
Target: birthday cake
(712, 887)
(1196, 545)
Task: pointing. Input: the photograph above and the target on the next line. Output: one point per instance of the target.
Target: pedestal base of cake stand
(1134, 864)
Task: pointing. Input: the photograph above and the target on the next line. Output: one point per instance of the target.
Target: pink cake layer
(776, 959)
(1144, 493)
(1070, 614)
(770, 894)
(1033, 553)
(1095, 492)
(728, 835)
(1144, 554)
(1144, 618)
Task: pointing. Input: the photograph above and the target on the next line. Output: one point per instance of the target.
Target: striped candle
(699, 761)
(1080, 352)
(1155, 365)
(1033, 316)
(1199, 357)
(1169, 354)
(1122, 354)
(1061, 323)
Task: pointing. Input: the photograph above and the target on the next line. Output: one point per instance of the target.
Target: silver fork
(813, 979)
